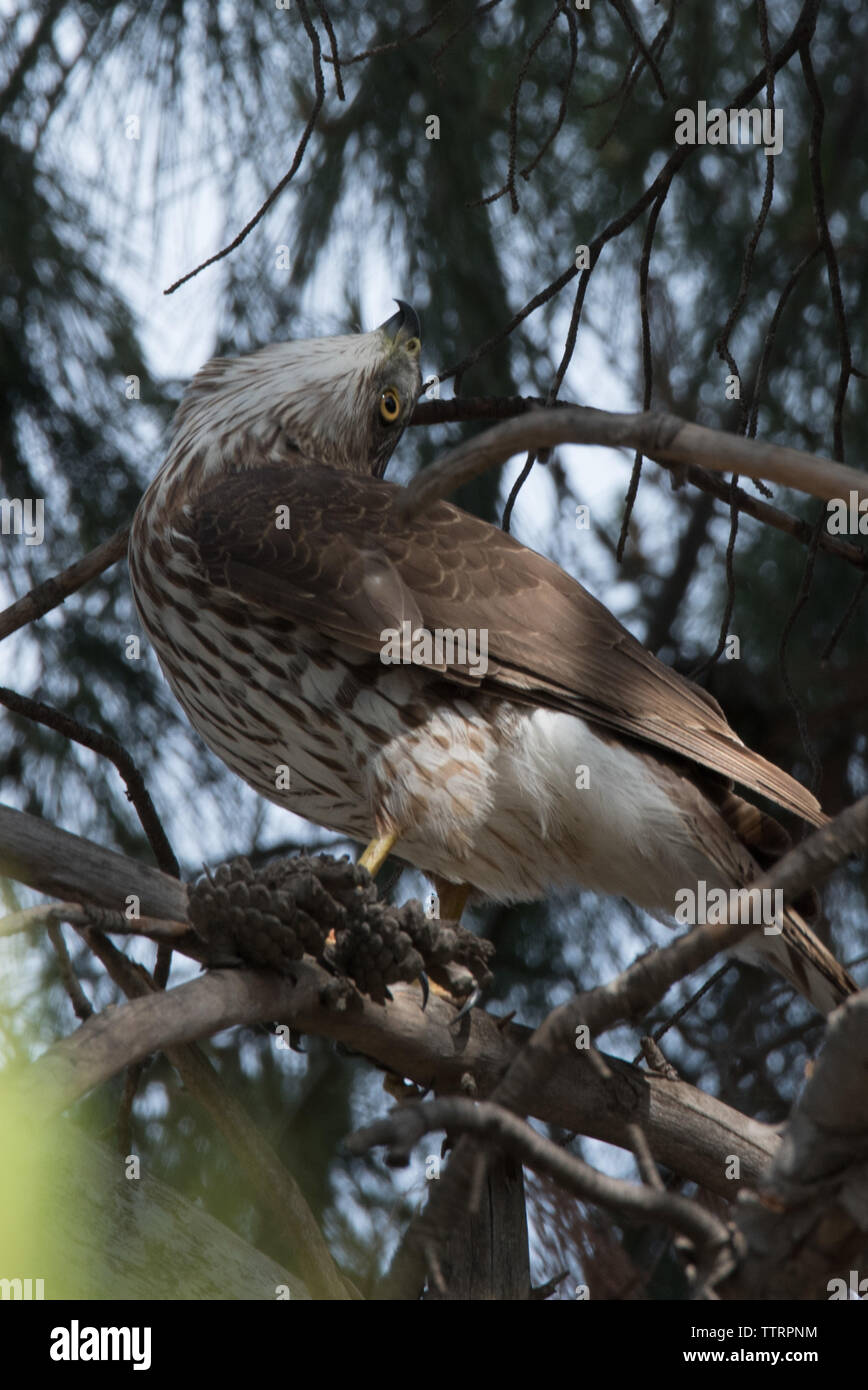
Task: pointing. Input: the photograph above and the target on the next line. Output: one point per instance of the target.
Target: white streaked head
(342, 401)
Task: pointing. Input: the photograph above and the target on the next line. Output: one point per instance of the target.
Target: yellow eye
(390, 405)
(413, 346)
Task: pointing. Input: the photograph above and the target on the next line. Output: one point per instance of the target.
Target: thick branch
(76, 870)
(660, 436)
(689, 1131)
(809, 1221)
(529, 425)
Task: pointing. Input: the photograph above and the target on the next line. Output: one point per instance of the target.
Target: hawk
(272, 567)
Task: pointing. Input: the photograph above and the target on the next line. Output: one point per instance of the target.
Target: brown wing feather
(349, 566)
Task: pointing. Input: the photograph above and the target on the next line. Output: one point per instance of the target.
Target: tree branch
(808, 1223)
(688, 1131)
(661, 436)
(714, 450)
(50, 594)
(403, 1128)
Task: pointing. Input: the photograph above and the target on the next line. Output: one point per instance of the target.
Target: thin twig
(803, 28)
(319, 98)
(81, 1004)
(52, 592)
(647, 364)
(107, 747)
(335, 57)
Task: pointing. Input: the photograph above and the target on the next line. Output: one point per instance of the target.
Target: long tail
(799, 955)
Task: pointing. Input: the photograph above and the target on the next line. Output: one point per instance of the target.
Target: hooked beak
(403, 325)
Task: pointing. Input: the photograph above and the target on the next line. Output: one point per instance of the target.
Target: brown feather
(351, 567)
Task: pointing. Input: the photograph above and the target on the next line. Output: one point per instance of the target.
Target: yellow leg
(453, 897)
(377, 852)
(373, 860)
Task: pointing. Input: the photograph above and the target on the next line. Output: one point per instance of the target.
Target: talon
(470, 1002)
(423, 981)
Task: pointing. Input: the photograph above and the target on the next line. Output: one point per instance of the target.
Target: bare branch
(661, 436)
(76, 870)
(319, 98)
(49, 914)
(52, 592)
(814, 859)
(107, 747)
(404, 1127)
(808, 1223)
(507, 407)
(70, 981)
(688, 1131)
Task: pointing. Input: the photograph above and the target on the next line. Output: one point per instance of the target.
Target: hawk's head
(341, 401)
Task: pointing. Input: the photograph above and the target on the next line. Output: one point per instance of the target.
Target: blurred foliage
(89, 222)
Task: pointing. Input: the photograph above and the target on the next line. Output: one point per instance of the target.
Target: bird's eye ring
(390, 405)
(413, 346)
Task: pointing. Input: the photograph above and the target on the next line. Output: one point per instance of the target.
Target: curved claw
(426, 990)
(470, 1002)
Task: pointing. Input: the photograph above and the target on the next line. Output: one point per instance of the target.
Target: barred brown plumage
(269, 558)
